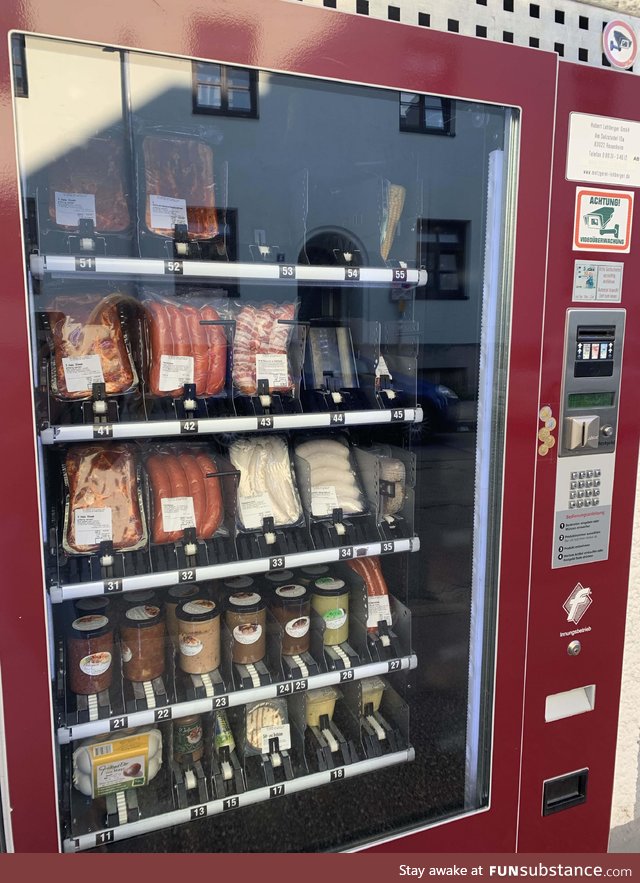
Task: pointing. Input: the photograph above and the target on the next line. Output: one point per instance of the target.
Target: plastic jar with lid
(90, 654)
(94, 604)
(198, 621)
(291, 606)
(278, 578)
(246, 619)
(188, 744)
(311, 572)
(174, 597)
(330, 598)
(142, 643)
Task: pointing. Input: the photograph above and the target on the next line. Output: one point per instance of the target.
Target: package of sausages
(104, 499)
(184, 492)
(90, 343)
(264, 334)
(328, 477)
(267, 487)
(181, 349)
(378, 604)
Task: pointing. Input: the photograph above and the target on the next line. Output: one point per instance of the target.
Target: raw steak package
(327, 472)
(103, 499)
(261, 347)
(267, 487)
(89, 345)
(182, 350)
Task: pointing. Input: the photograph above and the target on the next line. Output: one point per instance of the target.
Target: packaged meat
(106, 764)
(89, 346)
(90, 182)
(179, 185)
(181, 350)
(266, 721)
(392, 485)
(325, 468)
(330, 359)
(103, 499)
(182, 495)
(378, 605)
(267, 488)
(261, 347)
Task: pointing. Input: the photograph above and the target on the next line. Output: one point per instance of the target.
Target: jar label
(199, 606)
(245, 599)
(90, 622)
(142, 613)
(247, 632)
(334, 619)
(187, 737)
(125, 652)
(297, 628)
(328, 582)
(95, 664)
(190, 645)
(291, 591)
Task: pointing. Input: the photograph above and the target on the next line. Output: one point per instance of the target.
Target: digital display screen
(591, 399)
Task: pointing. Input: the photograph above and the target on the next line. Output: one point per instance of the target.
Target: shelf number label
(220, 702)
(277, 563)
(230, 803)
(346, 552)
(102, 430)
(118, 723)
(198, 812)
(300, 686)
(173, 267)
(276, 791)
(265, 422)
(187, 576)
(287, 271)
(109, 586)
(395, 665)
(284, 689)
(397, 415)
(336, 774)
(337, 418)
(86, 264)
(188, 427)
(387, 547)
(162, 714)
(399, 274)
(104, 837)
(347, 675)
(352, 274)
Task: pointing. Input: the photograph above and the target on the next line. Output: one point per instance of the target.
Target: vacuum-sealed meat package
(179, 185)
(330, 358)
(103, 499)
(267, 488)
(182, 350)
(327, 469)
(89, 346)
(261, 347)
(182, 494)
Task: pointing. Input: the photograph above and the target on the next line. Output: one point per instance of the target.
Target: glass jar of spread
(246, 619)
(175, 596)
(142, 643)
(188, 744)
(198, 621)
(291, 606)
(330, 598)
(90, 654)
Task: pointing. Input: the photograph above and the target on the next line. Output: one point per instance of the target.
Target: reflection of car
(440, 406)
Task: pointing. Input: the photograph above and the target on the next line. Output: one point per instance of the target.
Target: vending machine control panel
(591, 383)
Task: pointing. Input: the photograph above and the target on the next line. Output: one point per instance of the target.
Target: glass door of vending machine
(269, 326)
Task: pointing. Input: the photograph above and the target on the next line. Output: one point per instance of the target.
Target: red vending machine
(289, 530)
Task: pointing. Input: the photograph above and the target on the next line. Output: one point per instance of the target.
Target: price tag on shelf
(188, 427)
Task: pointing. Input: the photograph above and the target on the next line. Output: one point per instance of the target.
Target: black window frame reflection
(198, 69)
(432, 247)
(425, 107)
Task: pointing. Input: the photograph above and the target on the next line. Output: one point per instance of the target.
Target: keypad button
(581, 494)
(582, 474)
(589, 473)
(581, 484)
(596, 501)
(574, 485)
(574, 475)
(587, 502)
(572, 504)
(588, 492)
(596, 482)
(572, 495)
(597, 473)
(580, 504)
(589, 484)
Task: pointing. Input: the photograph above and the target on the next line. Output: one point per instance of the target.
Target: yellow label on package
(119, 765)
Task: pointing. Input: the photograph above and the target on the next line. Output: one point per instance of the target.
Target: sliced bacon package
(180, 349)
(261, 347)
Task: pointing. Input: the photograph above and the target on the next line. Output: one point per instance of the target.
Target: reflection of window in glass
(19, 63)
(218, 89)
(442, 247)
(426, 113)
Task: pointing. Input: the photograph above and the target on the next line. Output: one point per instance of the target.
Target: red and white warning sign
(602, 220)
(620, 44)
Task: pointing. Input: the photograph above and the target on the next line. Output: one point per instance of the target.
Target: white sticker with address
(166, 211)
(71, 208)
(80, 372)
(323, 500)
(92, 526)
(175, 371)
(282, 733)
(253, 509)
(177, 513)
(274, 368)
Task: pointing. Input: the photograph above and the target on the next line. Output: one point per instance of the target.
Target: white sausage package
(326, 470)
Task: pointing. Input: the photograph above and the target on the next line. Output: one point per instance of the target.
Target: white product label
(142, 613)
(282, 733)
(177, 513)
(292, 591)
(125, 652)
(92, 526)
(335, 619)
(297, 628)
(124, 773)
(253, 509)
(166, 212)
(190, 645)
(71, 208)
(247, 632)
(245, 599)
(597, 282)
(89, 623)
(274, 368)
(175, 371)
(200, 606)
(95, 664)
(603, 150)
(323, 500)
(82, 371)
(378, 610)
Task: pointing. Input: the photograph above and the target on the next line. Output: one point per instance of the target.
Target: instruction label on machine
(597, 281)
(602, 220)
(584, 487)
(603, 150)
